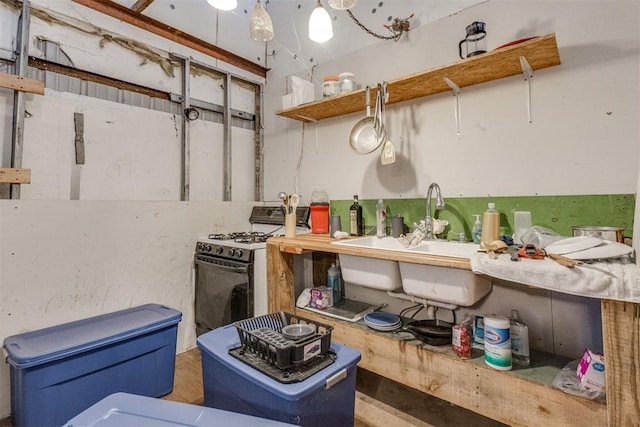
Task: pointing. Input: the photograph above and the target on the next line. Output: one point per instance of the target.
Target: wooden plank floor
(379, 401)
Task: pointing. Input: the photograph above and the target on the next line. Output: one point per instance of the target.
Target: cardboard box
(590, 370)
(58, 372)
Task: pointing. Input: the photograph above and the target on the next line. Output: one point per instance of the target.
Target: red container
(319, 218)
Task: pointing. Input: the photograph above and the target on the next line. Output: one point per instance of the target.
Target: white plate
(605, 250)
(384, 328)
(381, 318)
(573, 244)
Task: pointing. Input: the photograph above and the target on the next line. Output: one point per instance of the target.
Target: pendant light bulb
(223, 4)
(260, 25)
(320, 29)
(342, 4)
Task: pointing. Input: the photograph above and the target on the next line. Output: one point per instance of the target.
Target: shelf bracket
(527, 73)
(456, 106)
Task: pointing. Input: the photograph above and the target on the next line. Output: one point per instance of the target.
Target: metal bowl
(613, 234)
(298, 331)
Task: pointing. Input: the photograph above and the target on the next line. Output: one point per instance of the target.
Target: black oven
(224, 290)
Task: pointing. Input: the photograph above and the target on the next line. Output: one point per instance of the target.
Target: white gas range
(231, 269)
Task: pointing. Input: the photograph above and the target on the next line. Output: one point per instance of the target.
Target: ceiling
(229, 29)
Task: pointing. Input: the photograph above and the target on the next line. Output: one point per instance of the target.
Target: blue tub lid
(60, 341)
(124, 409)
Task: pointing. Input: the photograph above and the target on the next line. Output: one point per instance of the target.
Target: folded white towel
(617, 279)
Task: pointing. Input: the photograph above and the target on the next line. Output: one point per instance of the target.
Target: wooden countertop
(303, 243)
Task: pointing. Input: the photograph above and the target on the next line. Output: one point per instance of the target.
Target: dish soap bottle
(355, 218)
(476, 232)
(519, 340)
(490, 224)
(381, 219)
(334, 282)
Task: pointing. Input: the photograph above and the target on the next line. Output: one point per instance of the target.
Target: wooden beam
(45, 65)
(15, 176)
(127, 15)
(11, 81)
(141, 5)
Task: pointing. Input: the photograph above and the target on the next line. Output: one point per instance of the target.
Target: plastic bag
(540, 236)
(462, 337)
(567, 381)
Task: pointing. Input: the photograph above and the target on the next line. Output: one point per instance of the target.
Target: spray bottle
(476, 232)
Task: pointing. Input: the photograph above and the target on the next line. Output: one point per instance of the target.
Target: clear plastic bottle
(519, 340)
(476, 232)
(490, 224)
(334, 281)
(355, 218)
(381, 219)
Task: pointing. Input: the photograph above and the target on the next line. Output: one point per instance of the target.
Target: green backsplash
(558, 213)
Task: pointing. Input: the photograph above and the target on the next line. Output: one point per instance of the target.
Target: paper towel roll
(497, 342)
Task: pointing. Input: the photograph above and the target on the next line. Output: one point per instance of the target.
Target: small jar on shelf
(347, 82)
(330, 86)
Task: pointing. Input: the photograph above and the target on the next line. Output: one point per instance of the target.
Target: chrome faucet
(428, 222)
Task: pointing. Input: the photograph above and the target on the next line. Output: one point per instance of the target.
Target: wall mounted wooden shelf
(540, 52)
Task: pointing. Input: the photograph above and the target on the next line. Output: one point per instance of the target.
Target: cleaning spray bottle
(476, 232)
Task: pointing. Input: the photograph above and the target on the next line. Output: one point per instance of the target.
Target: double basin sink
(455, 286)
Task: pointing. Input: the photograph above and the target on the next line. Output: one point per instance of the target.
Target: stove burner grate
(241, 237)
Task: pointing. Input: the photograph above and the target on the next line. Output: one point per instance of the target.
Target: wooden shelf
(540, 52)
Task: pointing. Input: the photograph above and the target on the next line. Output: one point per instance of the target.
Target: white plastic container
(519, 340)
(381, 219)
(497, 342)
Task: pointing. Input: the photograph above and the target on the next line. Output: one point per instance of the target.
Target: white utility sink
(431, 247)
(449, 285)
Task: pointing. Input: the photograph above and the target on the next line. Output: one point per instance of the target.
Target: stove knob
(219, 250)
(232, 252)
(239, 253)
(207, 248)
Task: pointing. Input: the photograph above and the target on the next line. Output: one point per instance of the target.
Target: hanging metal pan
(365, 137)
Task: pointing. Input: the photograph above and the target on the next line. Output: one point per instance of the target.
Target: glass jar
(347, 82)
(330, 86)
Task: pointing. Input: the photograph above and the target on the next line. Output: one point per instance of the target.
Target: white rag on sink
(616, 279)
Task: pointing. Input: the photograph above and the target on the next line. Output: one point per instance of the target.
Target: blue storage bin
(58, 372)
(327, 398)
(130, 410)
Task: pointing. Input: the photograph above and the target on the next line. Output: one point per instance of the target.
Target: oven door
(223, 292)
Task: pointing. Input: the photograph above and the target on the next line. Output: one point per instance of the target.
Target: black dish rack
(262, 336)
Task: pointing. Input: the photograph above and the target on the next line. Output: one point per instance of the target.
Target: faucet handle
(462, 238)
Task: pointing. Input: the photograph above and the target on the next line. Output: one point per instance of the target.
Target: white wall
(584, 111)
(128, 240)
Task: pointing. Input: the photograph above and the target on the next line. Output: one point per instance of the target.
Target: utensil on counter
(294, 201)
(562, 260)
(388, 153)
(363, 138)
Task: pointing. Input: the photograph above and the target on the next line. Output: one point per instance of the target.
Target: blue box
(130, 410)
(58, 372)
(327, 398)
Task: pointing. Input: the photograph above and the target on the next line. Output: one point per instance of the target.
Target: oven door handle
(202, 260)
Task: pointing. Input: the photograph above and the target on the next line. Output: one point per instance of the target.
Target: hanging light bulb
(223, 4)
(320, 29)
(342, 4)
(260, 25)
